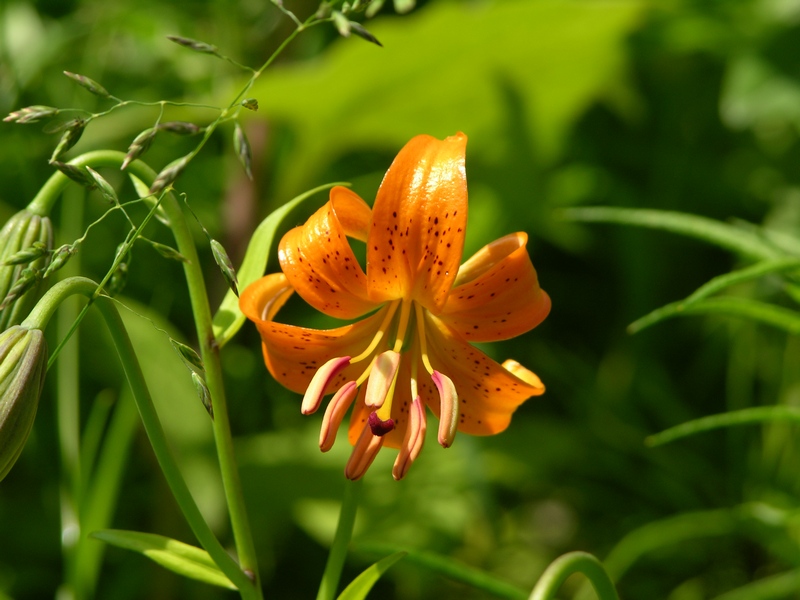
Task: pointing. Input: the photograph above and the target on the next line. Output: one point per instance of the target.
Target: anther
(448, 408)
(319, 383)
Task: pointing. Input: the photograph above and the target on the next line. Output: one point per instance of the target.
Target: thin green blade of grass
(745, 416)
(717, 284)
(762, 312)
(361, 585)
(774, 587)
(452, 569)
(747, 242)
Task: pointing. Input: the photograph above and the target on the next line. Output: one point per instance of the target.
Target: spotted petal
(418, 223)
(293, 354)
(488, 393)
(319, 262)
(497, 294)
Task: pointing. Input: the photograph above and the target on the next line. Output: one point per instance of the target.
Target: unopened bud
(60, 257)
(180, 127)
(88, 84)
(77, 174)
(105, 188)
(31, 114)
(342, 23)
(169, 174)
(242, 147)
(25, 231)
(195, 45)
(203, 393)
(225, 265)
(23, 365)
(250, 104)
(139, 146)
(70, 137)
(188, 354)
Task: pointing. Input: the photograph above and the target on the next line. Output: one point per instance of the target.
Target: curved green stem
(209, 350)
(574, 562)
(38, 318)
(344, 531)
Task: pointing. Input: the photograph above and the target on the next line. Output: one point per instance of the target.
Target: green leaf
(715, 285)
(783, 585)
(429, 86)
(746, 416)
(229, 318)
(777, 316)
(747, 242)
(176, 556)
(452, 569)
(361, 585)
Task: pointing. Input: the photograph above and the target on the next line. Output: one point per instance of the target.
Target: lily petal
(488, 393)
(319, 262)
(293, 354)
(418, 223)
(497, 294)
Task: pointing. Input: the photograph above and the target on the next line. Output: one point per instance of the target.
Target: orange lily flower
(413, 349)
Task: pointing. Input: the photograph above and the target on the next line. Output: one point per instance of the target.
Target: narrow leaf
(186, 560)
(746, 416)
(748, 242)
(715, 285)
(361, 585)
(769, 314)
(452, 569)
(229, 319)
(772, 587)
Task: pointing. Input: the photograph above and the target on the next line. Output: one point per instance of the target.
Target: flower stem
(208, 347)
(574, 562)
(38, 318)
(344, 531)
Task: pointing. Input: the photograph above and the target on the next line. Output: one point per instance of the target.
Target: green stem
(209, 350)
(68, 411)
(38, 319)
(344, 531)
(568, 564)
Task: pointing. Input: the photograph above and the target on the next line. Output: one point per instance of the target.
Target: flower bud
(23, 365)
(24, 231)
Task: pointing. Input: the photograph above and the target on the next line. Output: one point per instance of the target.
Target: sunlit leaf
(176, 556)
(229, 318)
(453, 569)
(746, 416)
(715, 285)
(737, 239)
(361, 585)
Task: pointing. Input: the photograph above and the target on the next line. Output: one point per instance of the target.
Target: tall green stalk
(39, 317)
(341, 540)
(209, 352)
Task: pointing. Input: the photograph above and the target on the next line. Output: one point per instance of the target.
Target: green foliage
(176, 556)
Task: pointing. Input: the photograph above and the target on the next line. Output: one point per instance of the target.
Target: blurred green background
(681, 105)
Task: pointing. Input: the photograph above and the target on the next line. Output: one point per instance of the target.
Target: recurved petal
(497, 294)
(418, 223)
(488, 393)
(293, 354)
(319, 262)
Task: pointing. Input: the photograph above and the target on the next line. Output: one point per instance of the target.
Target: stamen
(413, 441)
(364, 452)
(380, 333)
(379, 426)
(382, 379)
(402, 326)
(448, 408)
(423, 343)
(322, 378)
(334, 414)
